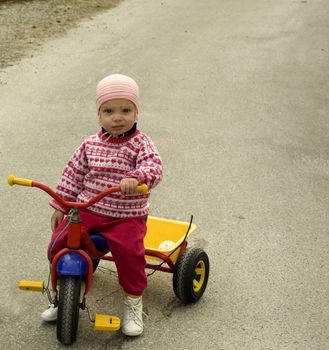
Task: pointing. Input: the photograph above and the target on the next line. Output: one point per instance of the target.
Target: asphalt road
(235, 95)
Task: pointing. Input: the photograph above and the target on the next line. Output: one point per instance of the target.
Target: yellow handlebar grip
(13, 180)
(142, 188)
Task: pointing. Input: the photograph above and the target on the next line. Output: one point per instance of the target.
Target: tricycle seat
(99, 241)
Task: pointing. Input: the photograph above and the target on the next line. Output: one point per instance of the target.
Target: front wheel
(191, 275)
(68, 309)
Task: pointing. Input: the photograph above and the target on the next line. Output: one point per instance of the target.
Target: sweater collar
(105, 136)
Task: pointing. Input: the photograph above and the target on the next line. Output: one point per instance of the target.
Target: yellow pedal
(35, 286)
(106, 323)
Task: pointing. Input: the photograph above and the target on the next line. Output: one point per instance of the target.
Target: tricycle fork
(76, 257)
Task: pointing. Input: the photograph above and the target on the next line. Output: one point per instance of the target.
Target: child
(118, 155)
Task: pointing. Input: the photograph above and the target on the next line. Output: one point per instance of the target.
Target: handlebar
(13, 180)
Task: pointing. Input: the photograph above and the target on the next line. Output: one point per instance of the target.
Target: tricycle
(165, 250)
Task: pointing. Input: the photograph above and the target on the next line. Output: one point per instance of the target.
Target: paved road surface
(235, 94)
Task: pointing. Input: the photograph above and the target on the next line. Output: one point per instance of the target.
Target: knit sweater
(101, 162)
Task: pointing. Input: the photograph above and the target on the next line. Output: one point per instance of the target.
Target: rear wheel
(191, 275)
(68, 309)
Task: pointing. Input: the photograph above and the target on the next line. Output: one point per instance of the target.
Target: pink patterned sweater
(101, 162)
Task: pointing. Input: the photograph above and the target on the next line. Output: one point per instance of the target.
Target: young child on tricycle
(101, 213)
(121, 155)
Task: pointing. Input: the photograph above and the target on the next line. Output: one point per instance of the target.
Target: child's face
(117, 116)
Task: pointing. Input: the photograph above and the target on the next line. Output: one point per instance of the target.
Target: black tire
(191, 275)
(68, 309)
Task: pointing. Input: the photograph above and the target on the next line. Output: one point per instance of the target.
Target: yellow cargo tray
(161, 230)
(165, 239)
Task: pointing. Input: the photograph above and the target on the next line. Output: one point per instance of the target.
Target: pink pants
(125, 238)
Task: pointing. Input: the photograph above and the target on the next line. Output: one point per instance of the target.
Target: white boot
(132, 323)
(50, 314)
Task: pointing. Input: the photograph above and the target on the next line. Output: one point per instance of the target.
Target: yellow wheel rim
(200, 272)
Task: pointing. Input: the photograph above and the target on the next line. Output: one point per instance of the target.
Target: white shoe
(132, 323)
(50, 314)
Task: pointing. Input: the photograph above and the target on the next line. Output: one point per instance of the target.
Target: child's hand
(128, 186)
(56, 219)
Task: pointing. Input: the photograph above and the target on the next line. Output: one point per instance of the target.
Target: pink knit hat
(117, 86)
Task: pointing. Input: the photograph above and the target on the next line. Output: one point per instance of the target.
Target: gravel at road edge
(25, 24)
